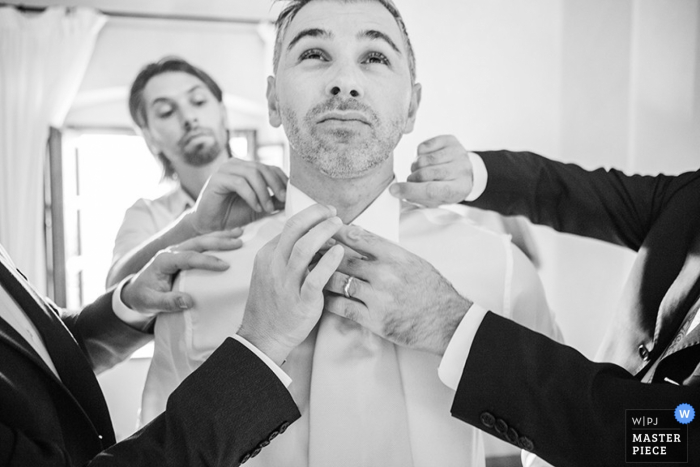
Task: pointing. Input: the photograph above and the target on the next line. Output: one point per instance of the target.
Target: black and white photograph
(349, 233)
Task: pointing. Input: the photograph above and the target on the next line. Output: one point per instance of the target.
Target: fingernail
(336, 220)
(330, 242)
(394, 189)
(332, 208)
(283, 195)
(182, 303)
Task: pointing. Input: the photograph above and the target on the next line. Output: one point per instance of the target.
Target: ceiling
(247, 10)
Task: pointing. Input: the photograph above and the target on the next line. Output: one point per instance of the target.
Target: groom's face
(343, 90)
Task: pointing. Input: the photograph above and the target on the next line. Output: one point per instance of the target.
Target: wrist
(270, 347)
(127, 294)
(454, 314)
(188, 226)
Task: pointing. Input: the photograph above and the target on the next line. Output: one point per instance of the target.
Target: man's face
(185, 121)
(343, 89)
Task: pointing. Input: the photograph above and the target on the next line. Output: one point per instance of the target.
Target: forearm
(606, 205)
(572, 409)
(133, 261)
(104, 338)
(221, 412)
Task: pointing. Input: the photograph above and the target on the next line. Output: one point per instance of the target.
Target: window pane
(113, 172)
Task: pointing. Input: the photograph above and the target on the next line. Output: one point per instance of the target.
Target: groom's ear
(273, 111)
(416, 92)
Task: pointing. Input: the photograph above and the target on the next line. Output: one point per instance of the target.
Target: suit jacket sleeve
(548, 398)
(222, 413)
(603, 204)
(104, 338)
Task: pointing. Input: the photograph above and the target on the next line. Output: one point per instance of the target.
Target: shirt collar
(181, 200)
(381, 217)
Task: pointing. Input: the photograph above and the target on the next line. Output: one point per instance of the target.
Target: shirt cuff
(135, 319)
(283, 377)
(457, 352)
(479, 177)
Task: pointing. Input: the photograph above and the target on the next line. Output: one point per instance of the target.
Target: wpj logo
(656, 436)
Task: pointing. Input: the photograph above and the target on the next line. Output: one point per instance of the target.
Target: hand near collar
(237, 194)
(441, 174)
(285, 298)
(395, 294)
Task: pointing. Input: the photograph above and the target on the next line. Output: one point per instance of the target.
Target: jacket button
(526, 444)
(283, 427)
(273, 435)
(512, 436)
(245, 458)
(255, 452)
(643, 352)
(488, 420)
(501, 426)
(264, 443)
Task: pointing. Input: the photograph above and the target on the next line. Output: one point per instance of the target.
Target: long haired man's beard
(202, 154)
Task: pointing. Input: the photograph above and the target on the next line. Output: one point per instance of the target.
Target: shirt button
(643, 352)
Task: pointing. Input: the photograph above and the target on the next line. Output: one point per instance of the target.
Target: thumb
(172, 301)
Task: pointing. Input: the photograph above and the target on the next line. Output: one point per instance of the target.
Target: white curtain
(43, 58)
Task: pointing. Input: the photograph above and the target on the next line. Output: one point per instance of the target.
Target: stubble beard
(203, 153)
(340, 153)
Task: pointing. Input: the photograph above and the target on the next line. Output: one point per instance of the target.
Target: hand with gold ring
(393, 293)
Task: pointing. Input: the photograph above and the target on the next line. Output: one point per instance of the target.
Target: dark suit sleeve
(227, 409)
(224, 411)
(603, 204)
(104, 338)
(548, 398)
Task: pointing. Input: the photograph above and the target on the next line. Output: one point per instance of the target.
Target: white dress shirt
(147, 217)
(364, 401)
(457, 352)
